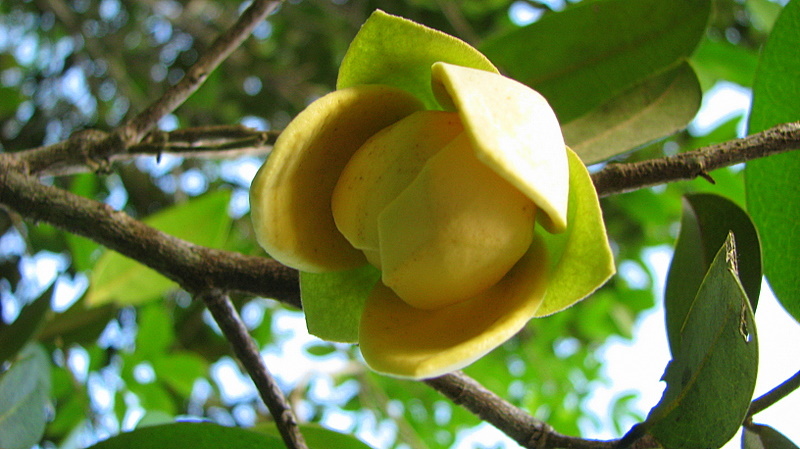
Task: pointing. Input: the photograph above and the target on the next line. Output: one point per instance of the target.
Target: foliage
(93, 344)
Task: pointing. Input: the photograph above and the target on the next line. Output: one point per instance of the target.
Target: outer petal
(400, 340)
(290, 197)
(514, 131)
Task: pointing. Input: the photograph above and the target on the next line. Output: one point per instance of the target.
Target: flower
(430, 204)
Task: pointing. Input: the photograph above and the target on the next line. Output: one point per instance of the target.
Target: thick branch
(229, 321)
(194, 267)
(619, 178)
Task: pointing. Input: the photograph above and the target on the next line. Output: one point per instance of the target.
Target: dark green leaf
(658, 106)
(707, 220)
(773, 193)
(332, 302)
(319, 437)
(195, 435)
(711, 378)
(759, 436)
(583, 57)
(17, 334)
(24, 395)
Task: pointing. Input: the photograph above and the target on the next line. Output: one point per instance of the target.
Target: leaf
(24, 395)
(658, 106)
(773, 193)
(320, 437)
(581, 260)
(707, 220)
(15, 335)
(397, 52)
(711, 377)
(610, 46)
(332, 302)
(195, 435)
(116, 278)
(759, 436)
(717, 60)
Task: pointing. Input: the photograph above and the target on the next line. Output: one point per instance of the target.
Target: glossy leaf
(711, 377)
(773, 193)
(116, 278)
(195, 435)
(320, 437)
(333, 302)
(582, 68)
(707, 220)
(658, 106)
(759, 436)
(393, 51)
(24, 398)
(16, 335)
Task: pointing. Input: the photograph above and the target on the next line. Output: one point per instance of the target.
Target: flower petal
(580, 258)
(514, 131)
(400, 340)
(290, 196)
(454, 232)
(382, 168)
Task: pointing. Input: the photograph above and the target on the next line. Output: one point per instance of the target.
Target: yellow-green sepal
(580, 257)
(334, 302)
(397, 52)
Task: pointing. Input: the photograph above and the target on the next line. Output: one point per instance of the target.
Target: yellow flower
(445, 203)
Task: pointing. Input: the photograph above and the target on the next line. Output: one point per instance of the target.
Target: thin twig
(781, 391)
(222, 47)
(620, 178)
(229, 321)
(95, 148)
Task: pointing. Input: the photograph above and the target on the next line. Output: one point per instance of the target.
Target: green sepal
(581, 258)
(333, 302)
(397, 52)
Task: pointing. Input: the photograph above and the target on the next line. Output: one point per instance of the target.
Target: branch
(229, 321)
(96, 148)
(620, 178)
(194, 267)
(767, 399)
(526, 430)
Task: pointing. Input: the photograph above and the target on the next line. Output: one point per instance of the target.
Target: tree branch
(772, 396)
(620, 178)
(229, 321)
(95, 148)
(194, 267)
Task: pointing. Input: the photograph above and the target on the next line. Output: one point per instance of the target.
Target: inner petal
(454, 232)
(384, 166)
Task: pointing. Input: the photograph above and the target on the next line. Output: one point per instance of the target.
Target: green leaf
(116, 278)
(179, 370)
(333, 302)
(320, 437)
(24, 396)
(397, 52)
(195, 435)
(717, 60)
(759, 436)
(707, 220)
(773, 193)
(658, 106)
(588, 54)
(15, 335)
(581, 260)
(711, 377)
